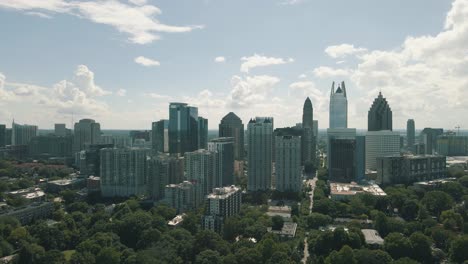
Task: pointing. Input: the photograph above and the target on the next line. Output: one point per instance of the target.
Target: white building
(380, 144)
(288, 163)
(338, 107)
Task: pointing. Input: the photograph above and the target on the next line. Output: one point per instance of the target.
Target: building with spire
(380, 115)
(338, 107)
(308, 140)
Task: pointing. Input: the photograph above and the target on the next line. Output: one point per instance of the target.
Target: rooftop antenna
(458, 130)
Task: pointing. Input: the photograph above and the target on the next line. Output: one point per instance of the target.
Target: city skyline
(401, 55)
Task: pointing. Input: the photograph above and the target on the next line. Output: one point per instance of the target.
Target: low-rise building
(31, 194)
(180, 196)
(372, 237)
(345, 191)
(93, 184)
(434, 184)
(65, 184)
(283, 211)
(176, 221)
(288, 230)
(29, 213)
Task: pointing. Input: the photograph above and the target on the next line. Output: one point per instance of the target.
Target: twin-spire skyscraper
(338, 107)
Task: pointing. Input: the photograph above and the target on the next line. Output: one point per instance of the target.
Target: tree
(108, 255)
(397, 245)
(372, 256)
(451, 220)
(405, 260)
(207, 239)
(278, 222)
(132, 227)
(30, 253)
(442, 237)
(464, 181)
(208, 257)
(248, 256)
(454, 189)
(458, 249)
(344, 256)
(381, 223)
(53, 257)
(316, 220)
(437, 201)
(420, 247)
(409, 210)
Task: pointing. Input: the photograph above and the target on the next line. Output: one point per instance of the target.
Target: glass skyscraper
(380, 115)
(231, 126)
(338, 107)
(183, 128)
(260, 138)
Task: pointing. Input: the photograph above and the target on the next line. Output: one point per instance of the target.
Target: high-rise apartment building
(22, 134)
(380, 115)
(223, 148)
(380, 144)
(221, 203)
(341, 154)
(452, 145)
(48, 146)
(338, 107)
(199, 168)
(164, 170)
(124, 172)
(202, 133)
(288, 163)
(260, 144)
(86, 132)
(231, 126)
(307, 138)
(428, 137)
(2, 135)
(180, 196)
(410, 135)
(183, 128)
(160, 136)
(61, 130)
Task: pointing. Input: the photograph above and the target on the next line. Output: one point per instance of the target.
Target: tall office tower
(231, 126)
(307, 139)
(380, 144)
(380, 115)
(160, 136)
(163, 170)
(199, 168)
(86, 132)
(338, 107)
(50, 146)
(124, 172)
(288, 163)
(341, 154)
(2, 135)
(221, 204)
(316, 132)
(260, 139)
(360, 158)
(428, 137)
(224, 152)
(60, 130)
(183, 128)
(22, 134)
(180, 196)
(202, 133)
(410, 134)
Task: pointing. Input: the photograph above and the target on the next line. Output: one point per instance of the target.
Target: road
(311, 183)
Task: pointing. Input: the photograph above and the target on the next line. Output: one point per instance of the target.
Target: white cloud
(84, 78)
(220, 59)
(260, 61)
(38, 14)
(251, 89)
(158, 96)
(327, 72)
(292, 2)
(302, 76)
(121, 92)
(147, 62)
(136, 19)
(343, 50)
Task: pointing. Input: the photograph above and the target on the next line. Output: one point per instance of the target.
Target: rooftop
(354, 188)
(372, 236)
(223, 192)
(176, 220)
(289, 230)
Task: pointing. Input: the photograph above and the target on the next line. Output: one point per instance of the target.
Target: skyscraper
(199, 168)
(410, 134)
(124, 172)
(202, 133)
(22, 134)
(288, 163)
(160, 136)
(60, 130)
(231, 126)
(163, 170)
(380, 115)
(221, 203)
(86, 132)
(307, 139)
(380, 144)
(183, 128)
(2, 135)
(428, 137)
(338, 107)
(341, 154)
(260, 138)
(224, 152)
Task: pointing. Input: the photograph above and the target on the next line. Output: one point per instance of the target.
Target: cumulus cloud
(220, 59)
(343, 50)
(136, 19)
(147, 62)
(327, 72)
(121, 92)
(251, 89)
(261, 61)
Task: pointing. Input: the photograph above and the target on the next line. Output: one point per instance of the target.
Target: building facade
(183, 128)
(86, 132)
(202, 133)
(231, 126)
(452, 145)
(410, 135)
(260, 143)
(407, 169)
(428, 137)
(288, 168)
(380, 144)
(380, 115)
(200, 170)
(224, 153)
(181, 196)
(221, 203)
(307, 138)
(160, 136)
(338, 107)
(22, 134)
(2, 135)
(341, 154)
(162, 171)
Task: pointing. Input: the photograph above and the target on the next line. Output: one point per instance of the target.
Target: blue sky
(60, 58)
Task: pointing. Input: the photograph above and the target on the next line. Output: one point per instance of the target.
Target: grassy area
(68, 254)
